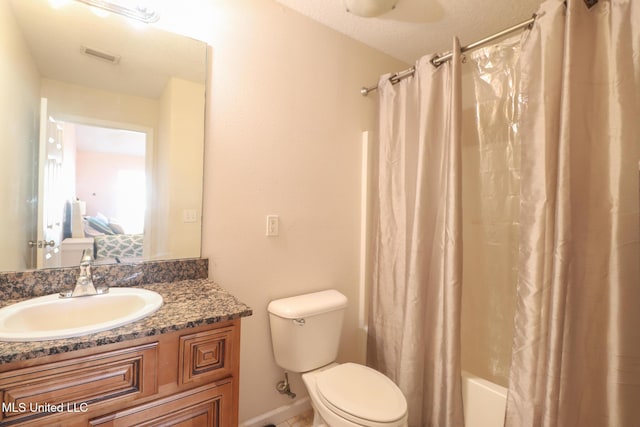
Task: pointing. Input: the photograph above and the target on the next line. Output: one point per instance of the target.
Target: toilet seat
(361, 394)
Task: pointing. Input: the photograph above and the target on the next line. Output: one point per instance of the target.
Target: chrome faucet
(84, 283)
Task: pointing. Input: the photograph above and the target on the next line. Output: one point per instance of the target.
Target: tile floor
(303, 420)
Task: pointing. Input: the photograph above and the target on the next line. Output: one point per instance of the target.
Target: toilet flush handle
(299, 322)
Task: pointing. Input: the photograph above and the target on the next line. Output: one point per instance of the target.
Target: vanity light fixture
(369, 8)
(139, 13)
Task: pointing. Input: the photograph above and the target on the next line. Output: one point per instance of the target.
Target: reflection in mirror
(101, 137)
(110, 176)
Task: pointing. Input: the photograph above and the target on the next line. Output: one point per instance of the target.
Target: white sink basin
(51, 317)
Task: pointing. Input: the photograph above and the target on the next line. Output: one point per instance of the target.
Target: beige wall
(96, 174)
(283, 137)
(178, 169)
(19, 85)
(79, 103)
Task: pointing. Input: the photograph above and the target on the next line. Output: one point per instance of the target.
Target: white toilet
(305, 332)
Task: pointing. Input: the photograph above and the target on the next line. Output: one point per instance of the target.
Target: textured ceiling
(419, 27)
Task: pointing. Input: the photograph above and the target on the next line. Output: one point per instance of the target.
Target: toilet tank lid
(308, 304)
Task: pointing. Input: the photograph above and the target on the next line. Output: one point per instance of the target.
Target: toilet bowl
(353, 395)
(305, 333)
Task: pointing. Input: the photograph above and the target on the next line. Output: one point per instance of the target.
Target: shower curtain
(576, 355)
(576, 347)
(414, 324)
(490, 217)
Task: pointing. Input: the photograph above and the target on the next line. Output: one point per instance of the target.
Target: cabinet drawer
(206, 356)
(207, 406)
(78, 384)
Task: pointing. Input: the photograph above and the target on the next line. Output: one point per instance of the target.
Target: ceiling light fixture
(139, 13)
(369, 8)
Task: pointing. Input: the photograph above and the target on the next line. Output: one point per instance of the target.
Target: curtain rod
(444, 57)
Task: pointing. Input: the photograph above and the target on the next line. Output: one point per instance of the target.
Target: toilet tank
(306, 329)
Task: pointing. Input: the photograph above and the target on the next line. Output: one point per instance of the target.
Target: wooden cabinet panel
(206, 406)
(207, 356)
(72, 385)
(180, 378)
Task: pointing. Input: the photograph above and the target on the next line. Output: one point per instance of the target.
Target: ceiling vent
(101, 55)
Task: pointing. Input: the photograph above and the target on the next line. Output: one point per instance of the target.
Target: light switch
(273, 225)
(189, 215)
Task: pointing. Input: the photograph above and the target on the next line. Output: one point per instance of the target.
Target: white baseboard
(280, 414)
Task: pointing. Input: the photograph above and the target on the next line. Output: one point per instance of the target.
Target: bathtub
(484, 402)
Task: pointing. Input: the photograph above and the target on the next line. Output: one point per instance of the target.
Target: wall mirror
(101, 137)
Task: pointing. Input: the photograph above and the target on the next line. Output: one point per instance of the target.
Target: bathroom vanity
(178, 366)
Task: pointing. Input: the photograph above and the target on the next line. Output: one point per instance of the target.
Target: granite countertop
(187, 304)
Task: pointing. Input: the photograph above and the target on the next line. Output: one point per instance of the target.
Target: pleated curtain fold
(576, 355)
(576, 347)
(414, 327)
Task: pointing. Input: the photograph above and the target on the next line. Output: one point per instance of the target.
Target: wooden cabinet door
(76, 385)
(207, 356)
(206, 406)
